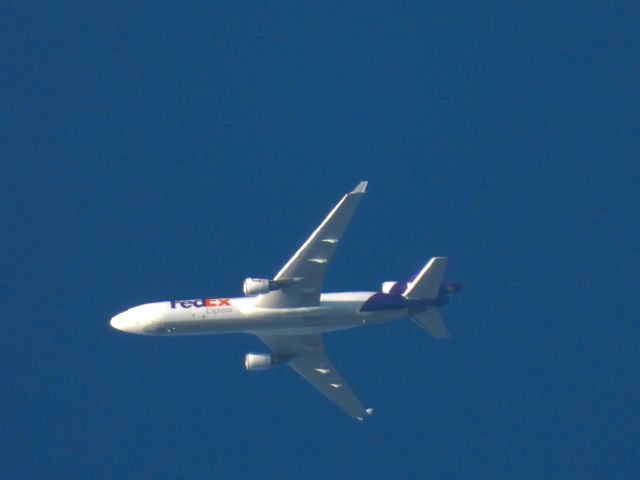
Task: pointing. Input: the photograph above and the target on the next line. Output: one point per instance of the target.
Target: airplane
(289, 313)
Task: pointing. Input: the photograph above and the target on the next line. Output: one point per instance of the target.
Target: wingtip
(368, 412)
(361, 187)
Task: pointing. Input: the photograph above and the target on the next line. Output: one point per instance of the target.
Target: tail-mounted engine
(399, 287)
(388, 286)
(263, 361)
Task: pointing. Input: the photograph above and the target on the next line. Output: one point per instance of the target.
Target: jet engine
(255, 286)
(263, 361)
(387, 287)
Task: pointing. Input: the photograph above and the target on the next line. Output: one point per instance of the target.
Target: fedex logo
(203, 302)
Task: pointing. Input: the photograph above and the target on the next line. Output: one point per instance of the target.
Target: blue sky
(158, 150)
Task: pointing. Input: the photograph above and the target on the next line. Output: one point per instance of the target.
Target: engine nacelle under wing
(255, 286)
(263, 361)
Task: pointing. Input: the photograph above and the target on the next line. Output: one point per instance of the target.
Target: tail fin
(426, 284)
(431, 321)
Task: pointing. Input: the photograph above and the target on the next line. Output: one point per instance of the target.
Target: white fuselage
(336, 311)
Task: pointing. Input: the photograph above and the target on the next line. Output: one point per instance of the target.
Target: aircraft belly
(285, 321)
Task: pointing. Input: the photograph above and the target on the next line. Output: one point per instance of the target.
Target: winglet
(361, 187)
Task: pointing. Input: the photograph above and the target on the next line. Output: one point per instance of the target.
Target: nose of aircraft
(124, 322)
(140, 319)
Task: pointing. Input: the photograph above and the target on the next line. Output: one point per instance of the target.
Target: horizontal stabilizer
(431, 321)
(426, 285)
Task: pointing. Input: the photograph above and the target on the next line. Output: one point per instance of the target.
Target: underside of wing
(308, 358)
(304, 272)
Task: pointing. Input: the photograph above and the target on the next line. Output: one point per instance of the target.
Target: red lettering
(217, 302)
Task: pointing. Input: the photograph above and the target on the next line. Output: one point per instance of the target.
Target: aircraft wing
(310, 361)
(305, 270)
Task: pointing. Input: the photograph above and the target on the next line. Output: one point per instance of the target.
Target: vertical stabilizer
(427, 283)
